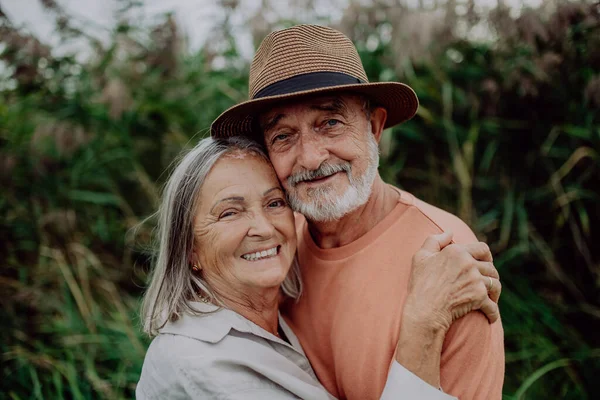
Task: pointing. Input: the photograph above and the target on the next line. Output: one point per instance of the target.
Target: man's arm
(472, 364)
(446, 283)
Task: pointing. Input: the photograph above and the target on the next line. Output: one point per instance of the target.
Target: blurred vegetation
(507, 137)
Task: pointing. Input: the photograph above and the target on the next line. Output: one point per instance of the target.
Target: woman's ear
(194, 261)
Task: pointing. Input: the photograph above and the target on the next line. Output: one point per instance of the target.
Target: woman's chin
(271, 278)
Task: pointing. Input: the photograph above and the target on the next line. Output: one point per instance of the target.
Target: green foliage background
(507, 137)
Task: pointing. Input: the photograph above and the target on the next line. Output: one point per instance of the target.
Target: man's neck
(351, 226)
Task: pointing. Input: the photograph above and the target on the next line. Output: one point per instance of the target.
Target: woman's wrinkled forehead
(248, 154)
(239, 154)
(243, 160)
(237, 174)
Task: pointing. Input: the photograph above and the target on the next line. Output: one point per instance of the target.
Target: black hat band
(310, 81)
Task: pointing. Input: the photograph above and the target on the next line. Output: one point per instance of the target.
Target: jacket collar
(213, 323)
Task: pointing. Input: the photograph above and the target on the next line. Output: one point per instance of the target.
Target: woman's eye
(227, 213)
(277, 203)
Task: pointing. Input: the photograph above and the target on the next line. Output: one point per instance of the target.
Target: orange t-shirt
(349, 315)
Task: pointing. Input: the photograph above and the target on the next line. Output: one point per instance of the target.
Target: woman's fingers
(479, 251)
(491, 279)
(487, 269)
(495, 289)
(490, 309)
(435, 243)
(452, 279)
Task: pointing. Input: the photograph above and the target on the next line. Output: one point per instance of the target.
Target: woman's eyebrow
(272, 190)
(231, 199)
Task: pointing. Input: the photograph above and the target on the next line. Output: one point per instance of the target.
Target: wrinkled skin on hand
(450, 280)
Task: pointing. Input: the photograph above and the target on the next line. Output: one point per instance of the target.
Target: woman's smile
(261, 254)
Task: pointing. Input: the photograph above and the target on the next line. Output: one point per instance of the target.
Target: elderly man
(321, 120)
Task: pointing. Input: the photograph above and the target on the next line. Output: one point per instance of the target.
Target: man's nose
(261, 225)
(312, 151)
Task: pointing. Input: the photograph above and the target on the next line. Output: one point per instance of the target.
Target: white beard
(323, 206)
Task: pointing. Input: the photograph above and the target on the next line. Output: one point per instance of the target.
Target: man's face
(324, 154)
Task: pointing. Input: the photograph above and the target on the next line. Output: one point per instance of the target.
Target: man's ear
(378, 118)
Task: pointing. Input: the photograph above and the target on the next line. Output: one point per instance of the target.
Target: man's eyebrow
(234, 198)
(272, 122)
(335, 106)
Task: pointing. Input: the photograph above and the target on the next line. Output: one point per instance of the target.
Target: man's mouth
(320, 179)
(262, 254)
(321, 174)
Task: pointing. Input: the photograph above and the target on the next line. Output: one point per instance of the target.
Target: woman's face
(245, 239)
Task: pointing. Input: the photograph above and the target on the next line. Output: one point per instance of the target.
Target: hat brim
(398, 99)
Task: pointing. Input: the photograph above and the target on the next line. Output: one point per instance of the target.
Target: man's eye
(332, 122)
(279, 138)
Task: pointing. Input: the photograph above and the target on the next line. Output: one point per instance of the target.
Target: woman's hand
(450, 280)
(447, 282)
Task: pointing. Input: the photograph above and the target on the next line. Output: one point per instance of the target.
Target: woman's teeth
(259, 255)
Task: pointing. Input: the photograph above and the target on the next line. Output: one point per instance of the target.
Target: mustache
(324, 170)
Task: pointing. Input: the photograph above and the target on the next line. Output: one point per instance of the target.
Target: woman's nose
(261, 225)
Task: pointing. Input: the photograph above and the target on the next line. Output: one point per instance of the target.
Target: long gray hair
(173, 285)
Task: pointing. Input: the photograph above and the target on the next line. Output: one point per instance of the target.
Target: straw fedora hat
(306, 60)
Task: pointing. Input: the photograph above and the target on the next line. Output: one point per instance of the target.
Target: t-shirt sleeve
(472, 363)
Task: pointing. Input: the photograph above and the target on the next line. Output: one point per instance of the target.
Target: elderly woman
(226, 262)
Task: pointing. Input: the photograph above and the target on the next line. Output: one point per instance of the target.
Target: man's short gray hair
(173, 284)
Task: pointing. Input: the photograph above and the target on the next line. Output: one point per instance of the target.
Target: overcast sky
(196, 17)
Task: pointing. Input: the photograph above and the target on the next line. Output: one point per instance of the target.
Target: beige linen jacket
(222, 355)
